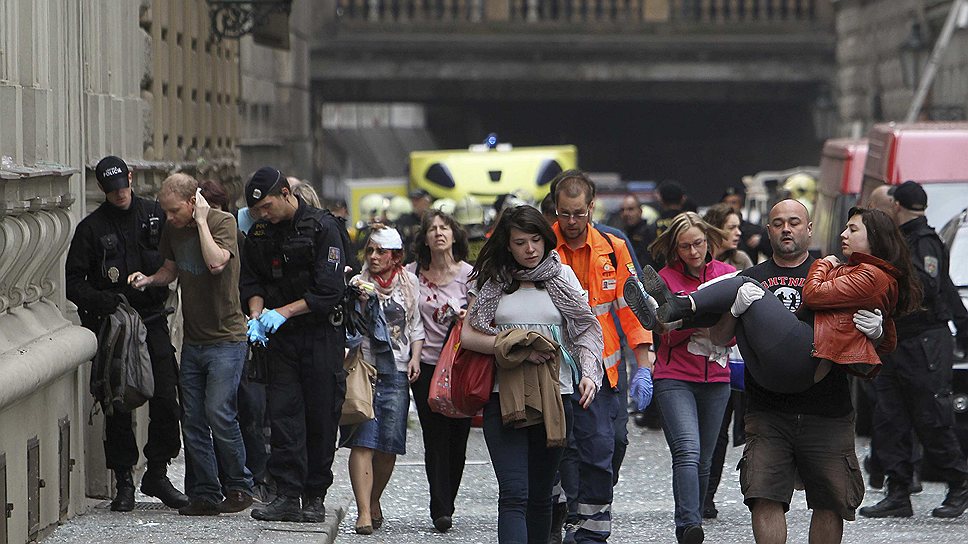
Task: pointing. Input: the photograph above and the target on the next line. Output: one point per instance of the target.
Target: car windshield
(958, 260)
(944, 201)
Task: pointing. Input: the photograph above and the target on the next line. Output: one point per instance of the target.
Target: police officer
(119, 237)
(292, 284)
(914, 387)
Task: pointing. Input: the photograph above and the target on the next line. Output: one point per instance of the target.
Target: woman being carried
(522, 287)
(877, 278)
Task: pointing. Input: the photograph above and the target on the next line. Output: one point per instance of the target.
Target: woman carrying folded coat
(530, 311)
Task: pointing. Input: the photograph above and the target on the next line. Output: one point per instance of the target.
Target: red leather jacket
(835, 292)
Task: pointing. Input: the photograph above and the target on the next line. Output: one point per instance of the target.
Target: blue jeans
(525, 468)
(209, 379)
(692, 413)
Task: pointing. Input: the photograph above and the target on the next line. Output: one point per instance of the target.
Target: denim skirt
(388, 431)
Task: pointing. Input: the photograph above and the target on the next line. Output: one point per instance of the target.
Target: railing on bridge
(620, 12)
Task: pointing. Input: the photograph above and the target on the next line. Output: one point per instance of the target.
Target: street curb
(293, 533)
(333, 523)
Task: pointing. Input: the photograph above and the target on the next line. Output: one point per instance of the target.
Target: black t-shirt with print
(830, 397)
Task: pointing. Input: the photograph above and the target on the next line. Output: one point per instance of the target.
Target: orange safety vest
(603, 281)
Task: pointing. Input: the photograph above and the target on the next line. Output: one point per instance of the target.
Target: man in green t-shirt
(200, 247)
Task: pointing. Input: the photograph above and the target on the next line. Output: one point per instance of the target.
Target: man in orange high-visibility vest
(602, 263)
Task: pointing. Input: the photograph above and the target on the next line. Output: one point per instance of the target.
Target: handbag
(472, 380)
(360, 387)
(440, 398)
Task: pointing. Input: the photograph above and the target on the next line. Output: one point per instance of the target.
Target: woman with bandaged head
(393, 345)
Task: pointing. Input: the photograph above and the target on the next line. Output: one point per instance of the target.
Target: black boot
(124, 499)
(875, 476)
(642, 305)
(558, 514)
(313, 509)
(283, 508)
(155, 483)
(897, 503)
(671, 307)
(955, 503)
(916, 485)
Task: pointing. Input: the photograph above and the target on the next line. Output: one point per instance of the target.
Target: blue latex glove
(641, 388)
(271, 320)
(257, 332)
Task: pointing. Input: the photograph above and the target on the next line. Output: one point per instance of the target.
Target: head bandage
(387, 238)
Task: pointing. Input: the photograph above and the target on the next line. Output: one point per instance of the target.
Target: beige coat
(530, 393)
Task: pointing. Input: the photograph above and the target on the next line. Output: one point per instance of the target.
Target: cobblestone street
(643, 509)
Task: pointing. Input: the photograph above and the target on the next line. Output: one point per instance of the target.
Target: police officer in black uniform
(120, 237)
(914, 386)
(293, 285)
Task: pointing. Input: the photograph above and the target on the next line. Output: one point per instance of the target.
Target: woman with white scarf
(393, 346)
(521, 284)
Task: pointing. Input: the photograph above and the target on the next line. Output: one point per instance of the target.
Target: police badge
(931, 265)
(114, 274)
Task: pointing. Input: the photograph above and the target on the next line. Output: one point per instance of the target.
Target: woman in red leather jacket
(878, 278)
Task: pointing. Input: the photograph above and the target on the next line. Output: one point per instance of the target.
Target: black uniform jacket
(931, 264)
(298, 259)
(108, 245)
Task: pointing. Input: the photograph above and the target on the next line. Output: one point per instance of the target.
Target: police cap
(111, 173)
(262, 184)
(910, 195)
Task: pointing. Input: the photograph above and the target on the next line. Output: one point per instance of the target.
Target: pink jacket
(673, 360)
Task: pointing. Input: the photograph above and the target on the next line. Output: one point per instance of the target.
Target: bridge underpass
(703, 96)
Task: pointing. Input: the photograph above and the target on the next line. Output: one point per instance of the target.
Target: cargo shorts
(820, 449)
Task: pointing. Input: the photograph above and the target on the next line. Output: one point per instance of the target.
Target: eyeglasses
(632, 209)
(697, 245)
(570, 216)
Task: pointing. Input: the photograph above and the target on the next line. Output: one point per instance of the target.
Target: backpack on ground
(121, 377)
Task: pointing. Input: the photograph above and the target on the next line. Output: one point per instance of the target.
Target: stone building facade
(275, 100)
(870, 82)
(64, 98)
(81, 79)
(190, 91)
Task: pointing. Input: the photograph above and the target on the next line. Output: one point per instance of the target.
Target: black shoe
(691, 534)
(199, 507)
(671, 308)
(642, 305)
(235, 501)
(314, 511)
(155, 483)
(283, 508)
(955, 503)
(709, 510)
(443, 524)
(124, 485)
(897, 503)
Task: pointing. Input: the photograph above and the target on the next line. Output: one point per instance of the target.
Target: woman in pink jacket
(691, 376)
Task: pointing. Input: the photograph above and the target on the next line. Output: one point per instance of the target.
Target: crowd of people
(274, 301)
